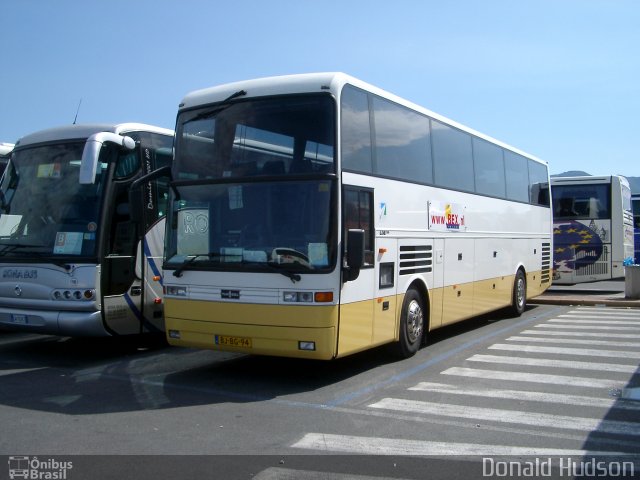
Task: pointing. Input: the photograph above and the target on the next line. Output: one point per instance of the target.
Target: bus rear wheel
(519, 296)
(412, 324)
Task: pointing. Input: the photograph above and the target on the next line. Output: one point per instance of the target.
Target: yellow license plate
(228, 341)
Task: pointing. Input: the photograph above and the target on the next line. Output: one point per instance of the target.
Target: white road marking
(535, 378)
(588, 327)
(481, 414)
(579, 334)
(391, 446)
(587, 352)
(606, 343)
(544, 362)
(584, 321)
(523, 395)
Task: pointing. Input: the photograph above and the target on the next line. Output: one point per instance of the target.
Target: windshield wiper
(190, 259)
(216, 110)
(281, 269)
(239, 93)
(276, 268)
(15, 246)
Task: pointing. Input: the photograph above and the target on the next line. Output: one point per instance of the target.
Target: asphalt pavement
(607, 292)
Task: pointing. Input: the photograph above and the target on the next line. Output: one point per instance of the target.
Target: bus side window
(359, 214)
(128, 164)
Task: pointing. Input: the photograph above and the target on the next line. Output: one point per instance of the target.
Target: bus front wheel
(519, 298)
(412, 324)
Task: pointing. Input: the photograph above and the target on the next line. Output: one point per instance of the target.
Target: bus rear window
(581, 201)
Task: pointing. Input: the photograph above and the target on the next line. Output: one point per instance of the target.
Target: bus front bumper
(51, 322)
(276, 341)
(287, 331)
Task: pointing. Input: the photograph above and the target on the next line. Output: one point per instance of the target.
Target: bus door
(357, 300)
(150, 250)
(122, 279)
(121, 287)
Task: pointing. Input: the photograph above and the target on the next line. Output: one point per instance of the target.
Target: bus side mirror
(91, 153)
(355, 254)
(136, 197)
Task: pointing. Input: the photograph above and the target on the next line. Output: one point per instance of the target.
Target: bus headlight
(297, 297)
(82, 295)
(307, 297)
(175, 291)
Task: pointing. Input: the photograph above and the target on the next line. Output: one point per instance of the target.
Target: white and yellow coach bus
(317, 216)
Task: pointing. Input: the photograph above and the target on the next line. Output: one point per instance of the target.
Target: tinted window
(359, 214)
(517, 176)
(356, 133)
(636, 213)
(581, 201)
(289, 134)
(453, 161)
(489, 168)
(538, 184)
(403, 144)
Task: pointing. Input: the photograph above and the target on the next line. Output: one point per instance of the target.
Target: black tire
(412, 324)
(519, 294)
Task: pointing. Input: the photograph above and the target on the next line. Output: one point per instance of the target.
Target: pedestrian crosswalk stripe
(534, 378)
(589, 352)
(587, 327)
(529, 396)
(553, 363)
(584, 321)
(482, 414)
(605, 312)
(279, 473)
(322, 442)
(573, 341)
(579, 334)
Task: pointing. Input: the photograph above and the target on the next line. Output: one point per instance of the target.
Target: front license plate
(228, 341)
(18, 319)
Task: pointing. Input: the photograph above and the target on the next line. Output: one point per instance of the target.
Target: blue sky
(559, 79)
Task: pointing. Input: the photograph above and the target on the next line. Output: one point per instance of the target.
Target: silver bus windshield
(44, 211)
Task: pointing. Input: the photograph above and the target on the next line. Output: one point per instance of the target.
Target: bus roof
(585, 179)
(70, 132)
(312, 83)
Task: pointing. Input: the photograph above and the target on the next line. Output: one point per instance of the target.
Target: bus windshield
(254, 225)
(256, 182)
(44, 211)
(582, 201)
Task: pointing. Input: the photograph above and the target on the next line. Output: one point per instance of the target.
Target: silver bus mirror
(91, 153)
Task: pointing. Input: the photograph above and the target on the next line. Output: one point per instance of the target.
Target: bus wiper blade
(239, 93)
(281, 269)
(15, 246)
(215, 111)
(191, 258)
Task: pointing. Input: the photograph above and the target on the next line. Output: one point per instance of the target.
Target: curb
(586, 300)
